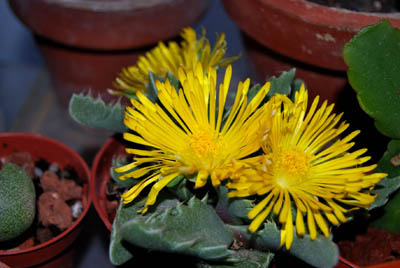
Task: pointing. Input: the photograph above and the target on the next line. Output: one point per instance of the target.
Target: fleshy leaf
(176, 228)
(173, 80)
(387, 163)
(391, 213)
(93, 112)
(321, 252)
(17, 201)
(119, 162)
(384, 189)
(152, 88)
(117, 252)
(373, 57)
(282, 84)
(232, 210)
(244, 259)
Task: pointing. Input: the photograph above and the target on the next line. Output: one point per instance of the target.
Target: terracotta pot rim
(322, 15)
(89, 199)
(95, 167)
(108, 6)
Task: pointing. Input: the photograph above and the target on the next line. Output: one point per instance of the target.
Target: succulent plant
(17, 201)
(218, 211)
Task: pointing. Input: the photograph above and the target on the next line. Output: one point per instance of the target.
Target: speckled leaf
(373, 58)
(118, 253)
(17, 201)
(93, 112)
(119, 162)
(390, 220)
(384, 189)
(321, 252)
(232, 210)
(193, 229)
(244, 259)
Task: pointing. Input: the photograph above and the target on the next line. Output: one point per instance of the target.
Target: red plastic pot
(52, 151)
(85, 43)
(343, 263)
(280, 35)
(100, 176)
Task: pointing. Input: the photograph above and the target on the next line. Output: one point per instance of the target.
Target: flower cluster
(163, 59)
(291, 157)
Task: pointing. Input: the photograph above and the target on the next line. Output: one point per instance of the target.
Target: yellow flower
(186, 135)
(307, 166)
(163, 59)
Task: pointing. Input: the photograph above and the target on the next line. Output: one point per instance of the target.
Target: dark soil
(374, 246)
(383, 6)
(58, 200)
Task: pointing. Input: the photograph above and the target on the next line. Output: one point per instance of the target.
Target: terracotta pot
(280, 35)
(343, 263)
(100, 176)
(50, 252)
(85, 43)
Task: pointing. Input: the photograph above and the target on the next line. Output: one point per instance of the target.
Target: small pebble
(54, 167)
(38, 172)
(76, 209)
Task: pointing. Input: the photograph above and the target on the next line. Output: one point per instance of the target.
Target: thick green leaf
(94, 113)
(386, 162)
(151, 87)
(384, 189)
(373, 58)
(390, 219)
(119, 162)
(321, 252)
(173, 80)
(170, 226)
(232, 210)
(244, 259)
(282, 84)
(118, 253)
(17, 201)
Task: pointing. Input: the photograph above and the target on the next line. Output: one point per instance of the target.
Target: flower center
(291, 167)
(206, 144)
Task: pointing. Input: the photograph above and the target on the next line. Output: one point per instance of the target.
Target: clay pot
(343, 263)
(85, 43)
(280, 35)
(55, 252)
(100, 176)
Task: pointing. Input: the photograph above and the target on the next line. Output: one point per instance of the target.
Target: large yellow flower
(186, 134)
(163, 59)
(307, 166)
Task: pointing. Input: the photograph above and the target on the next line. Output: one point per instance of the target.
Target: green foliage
(119, 162)
(171, 227)
(384, 189)
(385, 164)
(232, 210)
(390, 217)
(321, 252)
(373, 57)
(244, 259)
(282, 84)
(93, 112)
(17, 201)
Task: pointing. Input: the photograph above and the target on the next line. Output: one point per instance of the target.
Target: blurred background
(21, 62)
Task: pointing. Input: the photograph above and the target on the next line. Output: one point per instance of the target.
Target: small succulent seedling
(17, 201)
